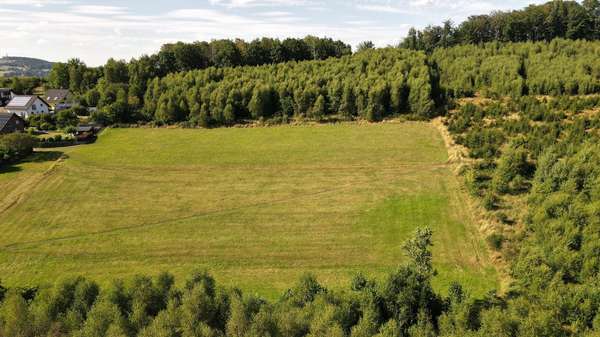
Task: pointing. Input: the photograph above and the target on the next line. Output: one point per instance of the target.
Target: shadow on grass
(9, 169)
(36, 157)
(43, 156)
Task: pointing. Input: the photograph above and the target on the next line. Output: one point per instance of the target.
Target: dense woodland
(133, 76)
(555, 19)
(371, 84)
(536, 171)
(526, 112)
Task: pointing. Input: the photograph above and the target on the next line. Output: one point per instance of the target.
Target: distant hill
(24, 66)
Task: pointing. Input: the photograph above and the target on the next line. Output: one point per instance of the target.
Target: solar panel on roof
(19, 101)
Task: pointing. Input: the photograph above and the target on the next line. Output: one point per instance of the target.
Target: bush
(45, 122)
(490, 201)
(503, 218)
(70, 129)
(15, 146)
(496, 241)
(513, 166)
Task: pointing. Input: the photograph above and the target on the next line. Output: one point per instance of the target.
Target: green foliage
(495, 241)
(348, 86)
(490, 201)
(22, 85)
(516, 69)
(554, 19)
(512, 170)
(15, 146)
(403, 304)
(417, 250)
(543, 151)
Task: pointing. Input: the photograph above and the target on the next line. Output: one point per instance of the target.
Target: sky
(94, 30)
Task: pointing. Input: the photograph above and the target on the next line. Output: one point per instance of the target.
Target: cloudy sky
(95, 30)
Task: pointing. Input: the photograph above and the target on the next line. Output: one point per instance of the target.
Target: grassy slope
(257, 207)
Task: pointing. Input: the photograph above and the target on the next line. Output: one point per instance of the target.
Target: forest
(372, 84)
(178, 57)
(545, 22)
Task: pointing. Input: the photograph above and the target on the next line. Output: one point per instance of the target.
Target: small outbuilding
(86, 133)
(26, 106)
(10, 122)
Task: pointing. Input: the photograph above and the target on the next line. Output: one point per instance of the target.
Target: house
(10, 123)
(59, 99)
(5, 96)
(25, 106)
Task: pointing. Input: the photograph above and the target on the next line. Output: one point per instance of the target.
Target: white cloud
(36, 3)
(257, 3)
(275, 14)
(456, 8)
(98, 10)
(383, 8)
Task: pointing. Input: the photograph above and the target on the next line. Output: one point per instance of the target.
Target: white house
(25, 106)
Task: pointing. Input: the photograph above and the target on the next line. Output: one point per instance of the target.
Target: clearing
(257, 207)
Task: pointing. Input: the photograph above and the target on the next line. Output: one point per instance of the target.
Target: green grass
(256, 207)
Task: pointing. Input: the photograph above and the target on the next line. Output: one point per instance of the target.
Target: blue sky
(94, 30)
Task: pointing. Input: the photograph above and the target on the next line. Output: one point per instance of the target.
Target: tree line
(22, 85)
(180, 56)
(371, 84)
(555, 19)
(401, 304)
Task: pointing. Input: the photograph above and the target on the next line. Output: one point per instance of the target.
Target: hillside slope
(24, 66)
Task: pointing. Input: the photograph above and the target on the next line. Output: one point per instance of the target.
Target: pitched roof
(22, 102)
(4, 118)
(56, 95)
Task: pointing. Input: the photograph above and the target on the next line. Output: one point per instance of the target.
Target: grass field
(256, 207)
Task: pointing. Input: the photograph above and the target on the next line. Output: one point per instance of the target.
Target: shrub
(496, 241)
(490, 201)
(15, 146)
(513, 166)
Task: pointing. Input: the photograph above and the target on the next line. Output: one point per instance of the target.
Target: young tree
(348, 105)
(59, 76)
(417, 250)
(319, 110)
(15, 316)
(365, 45)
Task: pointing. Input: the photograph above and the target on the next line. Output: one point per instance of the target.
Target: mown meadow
(257, 207)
